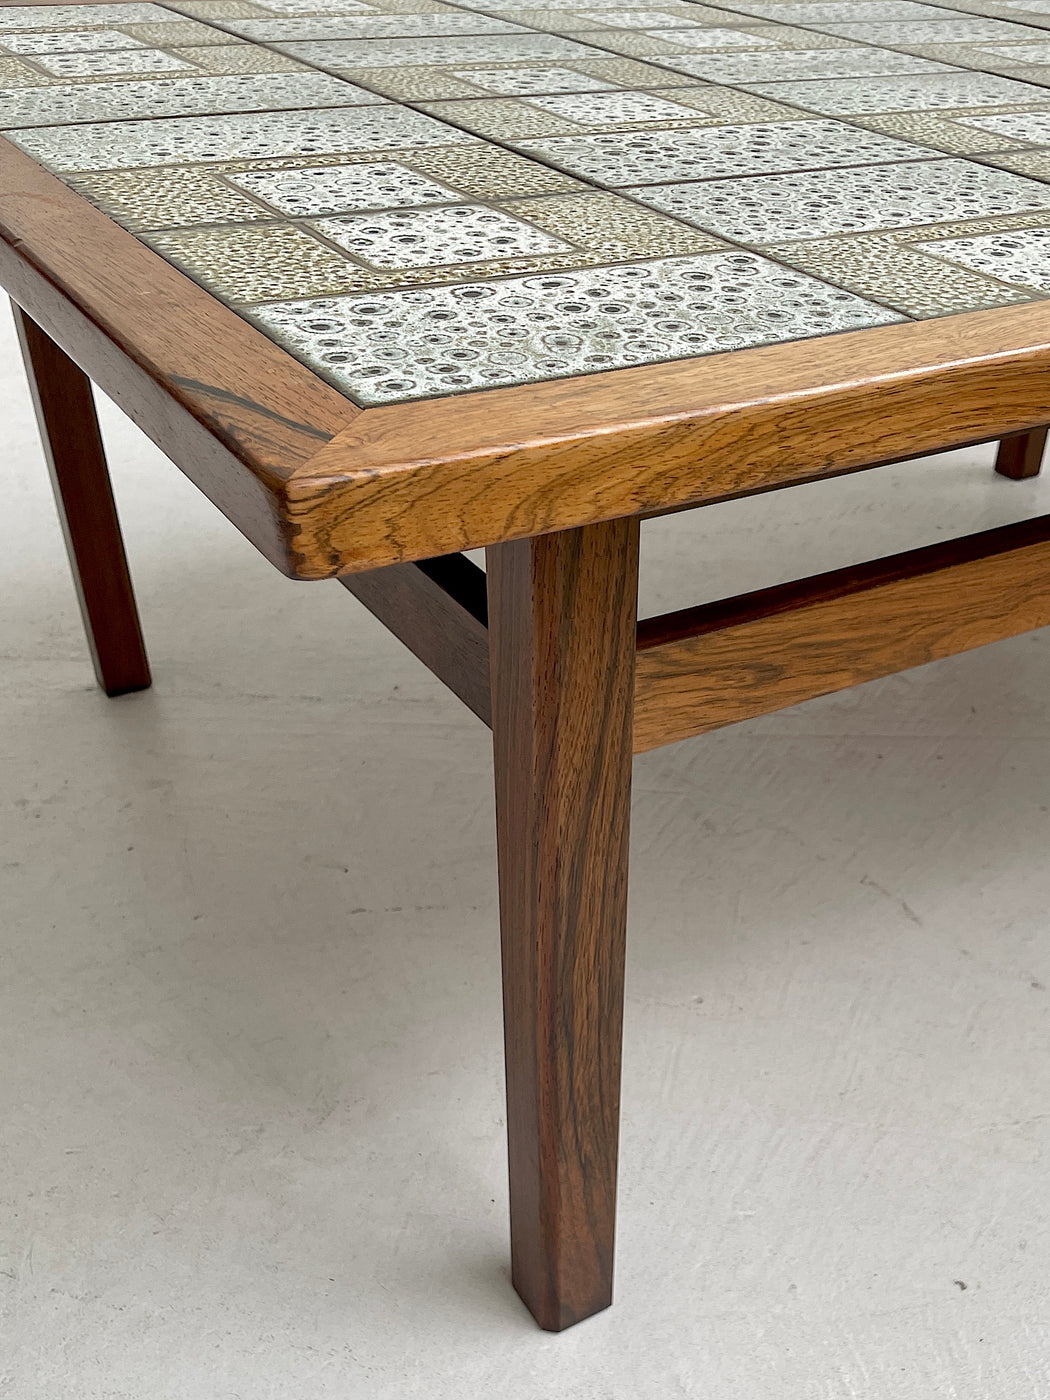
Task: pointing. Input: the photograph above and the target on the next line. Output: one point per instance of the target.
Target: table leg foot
(1021, 455)
(562, 616)
(65, 412)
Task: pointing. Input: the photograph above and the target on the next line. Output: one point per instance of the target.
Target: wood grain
(728, 661)
(65, 412)
(1021, 455)
(229, 407)
(562, 615)
(439, 609)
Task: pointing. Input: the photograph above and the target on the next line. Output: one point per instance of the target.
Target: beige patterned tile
(154, 199)
(937, 130)
(264, 263)
(612, 227)
(1034, 163)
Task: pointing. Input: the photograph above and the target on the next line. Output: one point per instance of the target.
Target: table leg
(65, 412)
(562, 618)
(1021, 455)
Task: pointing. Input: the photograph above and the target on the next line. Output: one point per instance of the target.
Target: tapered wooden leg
(1021, 454)
(72, 444)
(562, 616)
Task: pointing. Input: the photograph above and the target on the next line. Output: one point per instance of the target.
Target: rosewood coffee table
(393, 279)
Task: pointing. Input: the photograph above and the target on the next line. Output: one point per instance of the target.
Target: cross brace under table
(545, 646)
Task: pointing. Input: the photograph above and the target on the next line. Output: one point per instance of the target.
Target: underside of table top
(685, 252)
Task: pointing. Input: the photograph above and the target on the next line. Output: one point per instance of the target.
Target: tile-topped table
(393, 279)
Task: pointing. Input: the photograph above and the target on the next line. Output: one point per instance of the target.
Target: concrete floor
(252, 1124)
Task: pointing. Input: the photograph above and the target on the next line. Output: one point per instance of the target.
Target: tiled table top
(419, 198)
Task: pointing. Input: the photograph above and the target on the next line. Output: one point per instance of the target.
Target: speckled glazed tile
(668, 46)
(1020, 257)
(319, 190)
(940, 131)
(424, 84)
(528, 82)
(366, 28)
(838, 11)
(453, 50)
(177, 97)
(951, 31)
(112, 64)
(68, 41)
(507, 119)
(442, 340)
(816, 203)
(157, 199)
(461, 233)
(779, 66)
(909, 93)
(251, 263)
(1035, 163)
(244, 137)
(896, 274)
(611, 227)
(1031, 127)
(719, 152)
(80, 16)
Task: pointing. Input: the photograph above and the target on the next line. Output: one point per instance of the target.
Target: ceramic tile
(157, 199)
(112, 63)
(376, 53)
(612, 227)
(719, 152)
(896, 273)
(639, 19)
(1031, 127)
(252, 263)
(816, 203)
(79, 16)
(524, 82)
(1021, 53)
(226, 60)
(481, 171)
(921, 92)
(249, 136)
(364, 28)
(520, 121)
(952, 31)
(177, 97)
(68, 41)
(16, 74)
(319, 190)
(462, 233)
(780, 66)
(1033, 163)
(1020, 257)
(669, 45)
(937, 131)
(441, 340)
(839, 11)
(176, 31)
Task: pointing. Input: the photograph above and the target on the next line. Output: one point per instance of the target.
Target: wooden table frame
(545, 645)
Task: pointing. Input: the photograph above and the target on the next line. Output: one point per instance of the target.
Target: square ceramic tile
(897, 272)
(414, 344)
(952, 31)
(1021, 256)
(111, 63)
(80, 16)
(369, 27)
(615, 108)
(779, 65)
(177, 97)
(1033, 127)
(832, 11)
(68, 41)
(156, 199)
(336, 189)
(922, 92)
(240, 137)
(713, 38)
(376, 53)
(524, 82)
(718, 152)
(464, 233)
(813, 203)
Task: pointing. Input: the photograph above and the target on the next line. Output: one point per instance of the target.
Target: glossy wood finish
(439, 609)
(324, 488)
(72, 444)
(562, 614)
(1021, 456)
(728, 661)
(233, 411)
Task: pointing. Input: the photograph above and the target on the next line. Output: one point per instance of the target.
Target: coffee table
(391, 280)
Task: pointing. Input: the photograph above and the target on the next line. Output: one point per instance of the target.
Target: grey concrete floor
(251, 1123)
